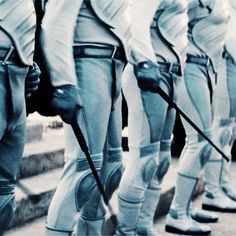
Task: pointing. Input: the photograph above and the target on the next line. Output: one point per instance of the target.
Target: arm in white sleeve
(57, 40)
(143, 12)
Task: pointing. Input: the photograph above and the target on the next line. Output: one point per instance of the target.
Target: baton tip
(226, 158)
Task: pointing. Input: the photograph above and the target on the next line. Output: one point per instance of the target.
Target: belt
(93, 51)
(174, 68)
(9, 54)
(203, 61)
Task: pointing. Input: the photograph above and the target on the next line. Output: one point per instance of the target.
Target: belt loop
(114, 81)
(170, 68)
(114, 52)
(8, 54)
(208, 63)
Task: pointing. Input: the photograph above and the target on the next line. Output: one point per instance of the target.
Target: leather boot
(145, 221)
(178, 219)
(214, 198)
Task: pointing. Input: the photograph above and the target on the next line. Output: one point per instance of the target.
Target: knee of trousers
(139, 172)
(114, 170)
(149, 161)
(7, 204)
(202, 147)
(196, 153)
(86, 183)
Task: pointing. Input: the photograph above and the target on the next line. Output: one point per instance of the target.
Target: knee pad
(7, 204)
(162, 169)
(205, 154)
(224, 136)
(113, 180)
(84, 189)
(86, 184)
(112, 170)
(148, 170)
(149, 159)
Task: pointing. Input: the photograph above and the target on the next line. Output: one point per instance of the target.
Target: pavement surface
(226, 225)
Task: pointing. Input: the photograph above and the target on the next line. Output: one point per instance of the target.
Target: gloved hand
(32, 80)
(65, 102)
(148, 75)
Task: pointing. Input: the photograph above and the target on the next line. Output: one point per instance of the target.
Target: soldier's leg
(77, 177)
(7, 202)
(231, 86)
(12, 136)
(142, 162)
(225, 180)
(11, 151)
(112, 167)
(140, 170)
(93, 212)
(196, 151)
(146, 124)
(163, 129)
(214, 198)
(76, 185)
(153, 191)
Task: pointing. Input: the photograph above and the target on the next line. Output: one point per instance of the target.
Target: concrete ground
(225, 227)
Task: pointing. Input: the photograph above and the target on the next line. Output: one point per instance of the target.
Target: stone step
(34, 131)
(46, 153)
(32, 228)
(34, 202)
(43, 155)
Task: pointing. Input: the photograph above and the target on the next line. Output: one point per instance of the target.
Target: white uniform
(207, 30)
(17, 36)
(224, 131)
(231, 98)
(87, 42)
(162, 29)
